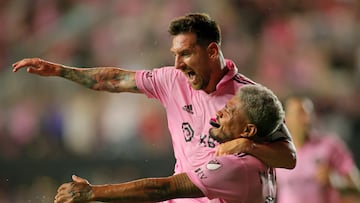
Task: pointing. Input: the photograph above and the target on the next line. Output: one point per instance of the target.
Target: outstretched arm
(110, 79)
(277, 154)
(143, 190)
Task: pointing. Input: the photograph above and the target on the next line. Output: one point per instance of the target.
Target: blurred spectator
(325, 167)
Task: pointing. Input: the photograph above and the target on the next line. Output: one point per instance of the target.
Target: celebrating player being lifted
(253, 113)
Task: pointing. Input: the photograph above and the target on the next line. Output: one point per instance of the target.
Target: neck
(218, 73)
(300, 139)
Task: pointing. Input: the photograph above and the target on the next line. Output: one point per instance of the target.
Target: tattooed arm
(142, 190)
(110, 79)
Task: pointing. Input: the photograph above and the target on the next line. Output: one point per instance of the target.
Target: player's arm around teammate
(283, 149)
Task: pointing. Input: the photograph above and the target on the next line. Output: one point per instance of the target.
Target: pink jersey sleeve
(156, 83)
(232, 178)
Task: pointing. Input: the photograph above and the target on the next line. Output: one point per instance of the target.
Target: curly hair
(262, 108)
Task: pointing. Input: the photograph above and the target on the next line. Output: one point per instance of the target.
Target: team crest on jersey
(213, 165)
(188, 131)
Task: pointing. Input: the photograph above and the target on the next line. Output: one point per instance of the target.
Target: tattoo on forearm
(185, 187)
(104, 79)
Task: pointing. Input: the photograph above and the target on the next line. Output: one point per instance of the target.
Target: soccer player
(325, 165)
(200, 82)
(253, 113)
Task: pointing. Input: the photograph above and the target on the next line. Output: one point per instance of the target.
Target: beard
(197, 83)
(215, 136)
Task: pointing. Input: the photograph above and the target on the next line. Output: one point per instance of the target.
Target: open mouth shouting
(195, 79)
(214, 123)
(191, 75)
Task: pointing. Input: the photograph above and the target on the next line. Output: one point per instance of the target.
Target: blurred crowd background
(51, 128)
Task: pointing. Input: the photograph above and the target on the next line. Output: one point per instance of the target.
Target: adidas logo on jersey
(188, 108)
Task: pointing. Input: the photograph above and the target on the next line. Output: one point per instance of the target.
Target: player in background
(325, 166)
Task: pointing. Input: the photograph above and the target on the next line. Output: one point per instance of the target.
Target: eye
(227, 109)
(185, 53)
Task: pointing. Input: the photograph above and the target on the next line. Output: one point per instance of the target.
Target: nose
(219, 114)
(179, 63)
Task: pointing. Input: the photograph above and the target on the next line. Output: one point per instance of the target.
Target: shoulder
(161, 70)
(330, 141)
(236, 76)
(242, 79)
(234, 162)
(167, 75)
(168, 69)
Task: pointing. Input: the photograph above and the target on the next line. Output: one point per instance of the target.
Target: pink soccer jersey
(235, 179)
(299, 185)
(188, 110)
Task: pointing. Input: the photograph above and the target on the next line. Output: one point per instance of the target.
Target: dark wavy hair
(205, 28)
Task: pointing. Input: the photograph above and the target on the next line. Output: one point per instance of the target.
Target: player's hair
(205, 28)
(306, 101)
(262, 107)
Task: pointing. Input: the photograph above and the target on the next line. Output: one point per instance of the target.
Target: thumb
(79, 180)
(32, 70)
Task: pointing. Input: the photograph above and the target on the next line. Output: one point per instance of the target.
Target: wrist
(104, 193)
(97, 193)
(251, 147)
(61, 70)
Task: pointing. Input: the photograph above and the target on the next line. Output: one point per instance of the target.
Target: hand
(323, 174)
(79, 190)
(38, 66)
(235, 146)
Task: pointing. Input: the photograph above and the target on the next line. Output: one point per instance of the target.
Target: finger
(20, 64)
(62, 198)
(79, 180)
(63, 192)
(64, 186)
(16, 66)
(57, 198)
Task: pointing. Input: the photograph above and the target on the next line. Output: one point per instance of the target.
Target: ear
(213, 50)
(249, 131)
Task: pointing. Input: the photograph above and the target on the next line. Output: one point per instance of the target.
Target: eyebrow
(227, 108)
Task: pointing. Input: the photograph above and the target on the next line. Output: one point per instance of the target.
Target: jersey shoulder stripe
(242, 79)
